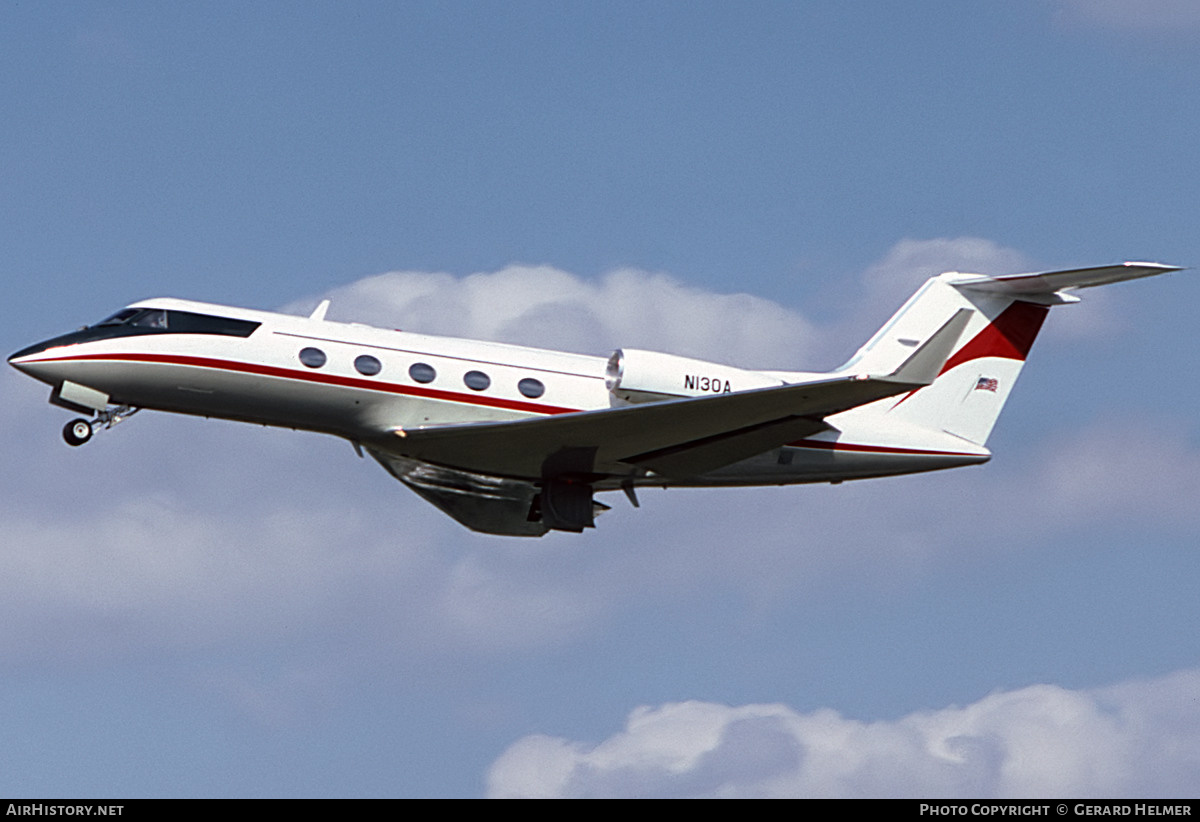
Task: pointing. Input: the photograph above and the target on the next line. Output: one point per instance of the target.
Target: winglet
(924, 365)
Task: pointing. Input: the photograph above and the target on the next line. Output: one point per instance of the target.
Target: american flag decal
(987, 384)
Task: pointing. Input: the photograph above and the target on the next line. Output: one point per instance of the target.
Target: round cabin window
(477, 380)
(531, 388)
(367, 365)
(312, 357)
(422, 372)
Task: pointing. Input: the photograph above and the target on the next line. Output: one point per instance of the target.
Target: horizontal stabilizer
(1049, 282)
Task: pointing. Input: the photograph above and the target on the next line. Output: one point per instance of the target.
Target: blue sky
(200, 608)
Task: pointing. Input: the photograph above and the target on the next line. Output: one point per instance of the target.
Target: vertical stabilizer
(970, 391)
(972, 386)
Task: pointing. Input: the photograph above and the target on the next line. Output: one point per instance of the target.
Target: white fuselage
(363, 381)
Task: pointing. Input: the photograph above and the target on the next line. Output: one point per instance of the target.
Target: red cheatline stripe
(877, 449)
(326, 379)
(430, 393)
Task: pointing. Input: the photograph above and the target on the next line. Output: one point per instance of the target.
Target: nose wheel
(77, 432)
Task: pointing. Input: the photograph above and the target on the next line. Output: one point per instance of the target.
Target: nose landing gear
(79, 431)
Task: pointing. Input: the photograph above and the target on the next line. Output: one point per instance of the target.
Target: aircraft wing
(675, 437)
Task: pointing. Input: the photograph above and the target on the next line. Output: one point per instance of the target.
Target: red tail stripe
(1009, 336)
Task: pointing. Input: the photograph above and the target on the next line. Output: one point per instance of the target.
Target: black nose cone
(36, 348)
(82, 335)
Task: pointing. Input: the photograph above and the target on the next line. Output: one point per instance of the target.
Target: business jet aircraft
(516, 441)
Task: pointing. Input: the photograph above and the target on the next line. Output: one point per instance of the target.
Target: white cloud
(1148, 16)
(546, 307)
(1139, 739)
(550, 308)
(910, 262)
(884, 286)
(1145, 468)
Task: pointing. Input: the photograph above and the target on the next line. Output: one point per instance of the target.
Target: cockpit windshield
(138, 317)
(150, 318)
(180, 322)
(144, 321)
(119, 318)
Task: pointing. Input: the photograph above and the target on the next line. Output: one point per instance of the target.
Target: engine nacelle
(648, 376)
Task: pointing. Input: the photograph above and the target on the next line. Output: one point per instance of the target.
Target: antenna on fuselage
(319, 311)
